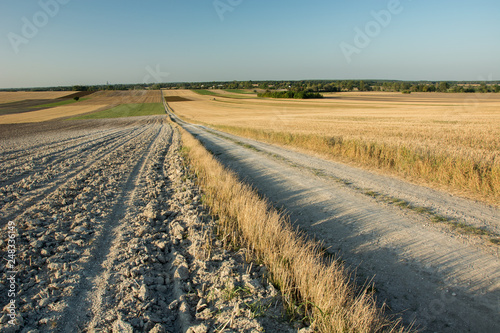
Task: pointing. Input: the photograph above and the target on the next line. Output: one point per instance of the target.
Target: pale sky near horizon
(69, 42)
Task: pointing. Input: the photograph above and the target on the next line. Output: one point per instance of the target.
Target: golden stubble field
(449, 141)
(100, 100)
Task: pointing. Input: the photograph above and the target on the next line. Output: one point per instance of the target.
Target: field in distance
(126, 110)
(29, 107)
(16, 96)
(448, 141)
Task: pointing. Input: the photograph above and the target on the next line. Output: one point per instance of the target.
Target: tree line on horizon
(290, 94)
(313, 86)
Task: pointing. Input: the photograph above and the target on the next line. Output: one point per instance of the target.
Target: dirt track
(111, 236)
(441, 280)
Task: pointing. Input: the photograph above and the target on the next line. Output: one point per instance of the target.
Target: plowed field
(109, 235)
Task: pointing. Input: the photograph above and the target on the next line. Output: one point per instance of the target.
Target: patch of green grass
(372, 194)
(258, 308)
(400, 202)
(459, 227)
(126, 110)
(468, 229)
(318, 172)
(229, 293)
(437, 218)
(421, 210)
(247, 146)
(61, 103)
(495, 241)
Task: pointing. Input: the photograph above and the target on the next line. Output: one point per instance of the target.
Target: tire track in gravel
(78, 308)
(41, 191)
(444, 281)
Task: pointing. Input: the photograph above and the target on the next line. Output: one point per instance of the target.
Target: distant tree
(416, 87)
(349, 85)
(443, 87)
(429, 88)
(233, 85)
(361, 86)
(80, 88)
(290, 94)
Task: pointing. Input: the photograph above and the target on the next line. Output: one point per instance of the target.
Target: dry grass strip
(320, 288)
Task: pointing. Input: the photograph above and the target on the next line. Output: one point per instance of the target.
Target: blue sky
(92, 42)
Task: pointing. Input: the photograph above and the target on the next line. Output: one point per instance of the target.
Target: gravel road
(111, 236)
(433, 276)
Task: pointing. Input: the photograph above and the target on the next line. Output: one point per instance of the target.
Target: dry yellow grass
(48, 114)
(15, 96)
(449, 141)
(186, 94)
(296, 265)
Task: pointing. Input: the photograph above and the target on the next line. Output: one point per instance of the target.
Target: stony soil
(111, 236)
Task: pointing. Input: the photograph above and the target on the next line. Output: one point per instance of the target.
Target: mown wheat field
(448, 141)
